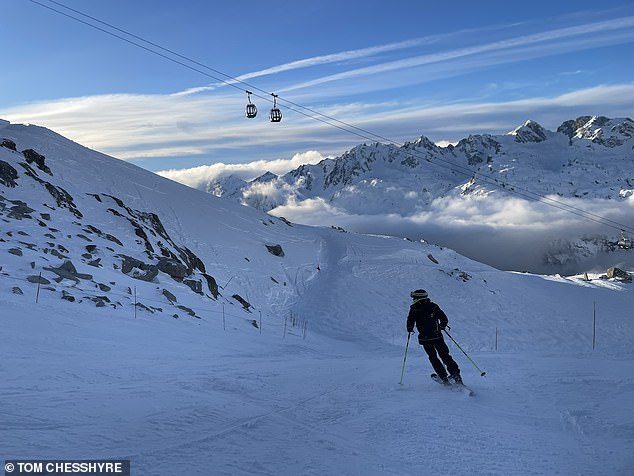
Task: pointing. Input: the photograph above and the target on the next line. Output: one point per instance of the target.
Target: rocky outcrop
(619, 274)
(275, 250)
(8, 175)
(530, 131)
(32, 156)
(68, 271)
(137, 269)
(9, 144)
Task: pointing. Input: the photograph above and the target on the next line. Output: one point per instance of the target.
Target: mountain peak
(265, 177)
(599, 129)
(530, 131)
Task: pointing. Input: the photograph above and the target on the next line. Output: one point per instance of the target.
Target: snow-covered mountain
(588, 158)
(144, 320)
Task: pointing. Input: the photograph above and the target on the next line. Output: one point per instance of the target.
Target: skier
(430, 321)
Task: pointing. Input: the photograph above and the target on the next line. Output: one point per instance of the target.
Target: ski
(457, 387)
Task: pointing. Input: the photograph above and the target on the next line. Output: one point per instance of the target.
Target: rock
(8, 175)
(275, 250)
(194, 285)
(175, 269)
(129, 263)
(104, 288)
(137, 269)
(9, 144)
(619, 274)
(32, 156)
(147, 275)
(100, 301)
(63, 198)
(15, 251)
(17, 290)
(246, 305)
(68, 271)
(187, 310)
(20, 210)
(68, 296)
(212, 285)
(37, 280)
(170, 297)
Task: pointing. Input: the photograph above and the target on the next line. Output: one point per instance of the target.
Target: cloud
(516, 49)
(198, 177)
(509, 233)
(165, 130)
(343, 56)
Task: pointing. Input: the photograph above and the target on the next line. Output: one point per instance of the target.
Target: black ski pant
(437, 348)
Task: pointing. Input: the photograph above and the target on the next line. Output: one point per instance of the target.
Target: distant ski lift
(251, 111)
(275, 115)
(624, 243)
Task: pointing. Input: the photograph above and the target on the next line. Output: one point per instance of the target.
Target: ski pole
(405, 358)
(482, 374)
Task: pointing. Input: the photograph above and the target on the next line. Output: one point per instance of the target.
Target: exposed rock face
(571, 127)
(137, 269)
(530, 131)
(212, 285)
(151, 254)
(32, 156)
(20, 210)
(63, 199)
(8, 175)
(175, 269)
(599, 129)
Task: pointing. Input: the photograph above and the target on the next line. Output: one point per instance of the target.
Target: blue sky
(399, 69)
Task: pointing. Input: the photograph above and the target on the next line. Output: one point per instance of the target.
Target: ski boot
(456, 378)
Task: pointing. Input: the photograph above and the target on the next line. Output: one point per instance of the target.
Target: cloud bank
(508, 233)
(197, 177)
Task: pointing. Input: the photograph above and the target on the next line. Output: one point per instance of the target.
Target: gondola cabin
(251, 110)
(275, 115)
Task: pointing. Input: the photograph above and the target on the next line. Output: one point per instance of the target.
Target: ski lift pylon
(251, 110)
(275, 115)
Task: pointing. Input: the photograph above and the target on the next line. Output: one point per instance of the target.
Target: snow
(318, 395)
(190, 398)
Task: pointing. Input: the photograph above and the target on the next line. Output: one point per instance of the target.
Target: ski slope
(190, 397)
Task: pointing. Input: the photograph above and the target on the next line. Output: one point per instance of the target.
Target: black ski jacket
(428, 318)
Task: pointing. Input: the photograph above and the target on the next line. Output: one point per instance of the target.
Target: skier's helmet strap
(419, 294)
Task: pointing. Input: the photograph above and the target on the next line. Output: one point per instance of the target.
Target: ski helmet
(419, 294)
